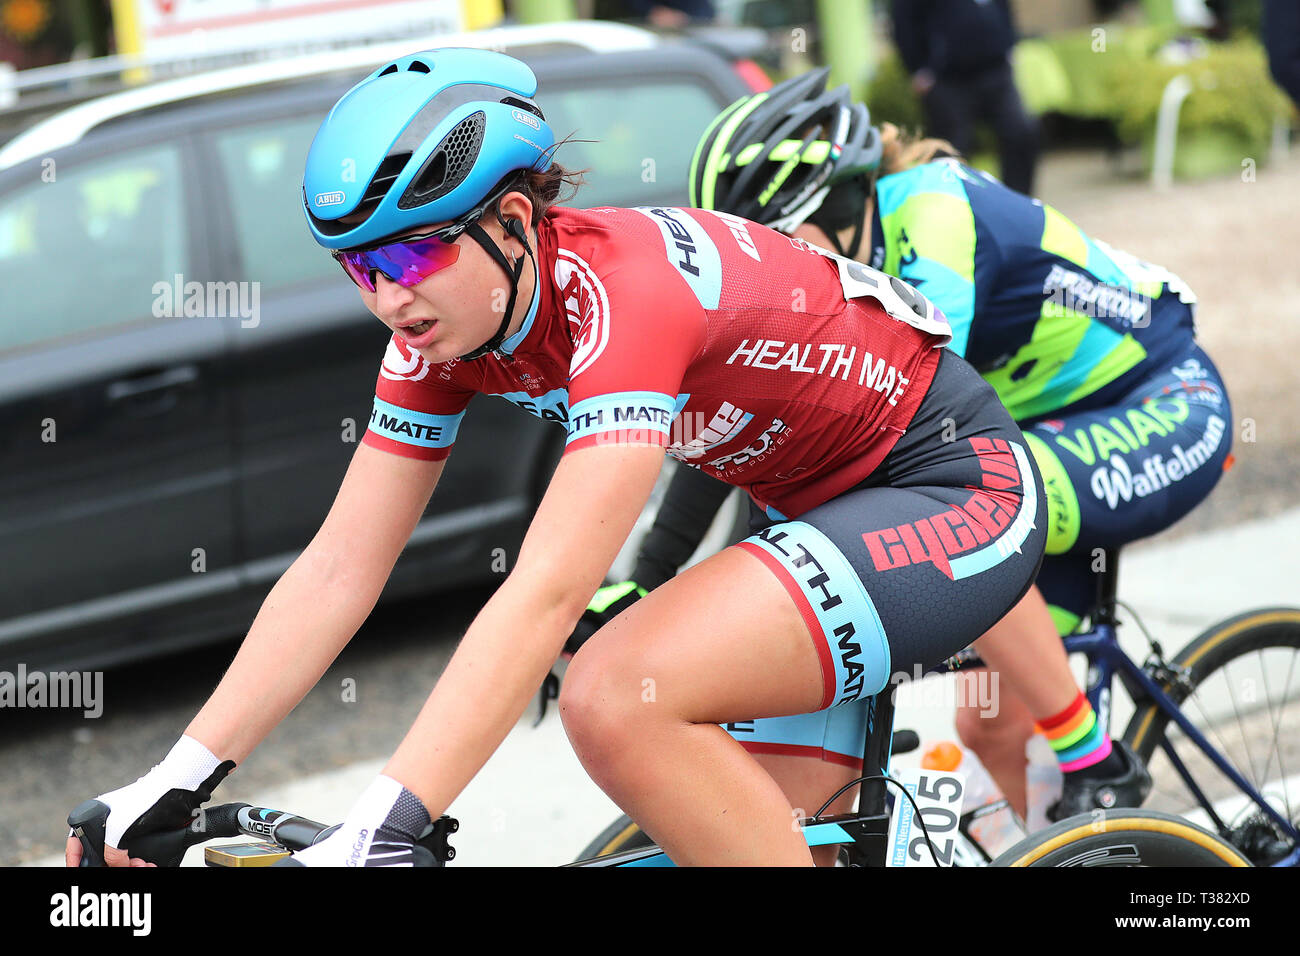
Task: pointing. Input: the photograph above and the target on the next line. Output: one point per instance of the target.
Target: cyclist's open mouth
(420, 334)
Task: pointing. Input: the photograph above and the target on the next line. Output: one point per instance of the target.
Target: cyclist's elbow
(553, 599)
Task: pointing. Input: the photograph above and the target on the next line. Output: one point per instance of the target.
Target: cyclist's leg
(1033, 682)
(997, 734)
(842, 575)
(1113, 474)
(642, 698)
(810, 756)
(818, 749)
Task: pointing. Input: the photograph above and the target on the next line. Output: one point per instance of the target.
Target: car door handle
(160, 381)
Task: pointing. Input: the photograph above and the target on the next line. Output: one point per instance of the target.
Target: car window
(85, 249)
(263, 164)
(645, 135)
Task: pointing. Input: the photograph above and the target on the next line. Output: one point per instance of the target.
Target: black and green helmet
(772, 157)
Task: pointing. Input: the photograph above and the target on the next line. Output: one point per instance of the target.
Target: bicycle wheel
(1122, 838)
(620, 835)
(1242, 691)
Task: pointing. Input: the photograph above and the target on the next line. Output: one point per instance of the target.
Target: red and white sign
(202, 26)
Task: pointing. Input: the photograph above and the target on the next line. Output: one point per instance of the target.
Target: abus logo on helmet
(522, 117)
(329, 199)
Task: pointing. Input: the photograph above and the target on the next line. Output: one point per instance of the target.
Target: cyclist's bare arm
(313, 610)
(589, 508)
(320, 602)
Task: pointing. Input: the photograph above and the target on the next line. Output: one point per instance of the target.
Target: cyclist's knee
(599, 704)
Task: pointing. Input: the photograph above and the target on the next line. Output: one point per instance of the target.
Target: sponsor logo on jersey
(402, 364)
(739, 228)
(774, 436)
(691, 251)
(552, 406)
(329, 199)
(728, 422)
(405, 425)
(587, 308)
(873, 373)
(1119, 482)
(981, 519)
(1125, 435)
(1069, 291)
(1190, 371)
(828, 584)
(526, 118)
(622, 417)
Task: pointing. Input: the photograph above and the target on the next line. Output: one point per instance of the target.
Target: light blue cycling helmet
(438, 136)
(421, 140)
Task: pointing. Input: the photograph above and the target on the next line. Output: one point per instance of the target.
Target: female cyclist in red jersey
(818, 385)
(1091, 350)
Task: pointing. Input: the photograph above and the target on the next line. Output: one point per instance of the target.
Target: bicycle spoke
(1254, 777)
(1211, 729)
(1255, 735)
(1277, 727)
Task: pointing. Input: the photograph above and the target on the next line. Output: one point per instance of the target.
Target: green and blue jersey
(1062, 319)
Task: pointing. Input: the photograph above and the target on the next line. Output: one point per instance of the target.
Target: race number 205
(936, 815)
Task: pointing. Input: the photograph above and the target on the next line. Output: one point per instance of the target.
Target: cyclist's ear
(515, 212)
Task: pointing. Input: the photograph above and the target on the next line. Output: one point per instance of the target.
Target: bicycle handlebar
(225, 820)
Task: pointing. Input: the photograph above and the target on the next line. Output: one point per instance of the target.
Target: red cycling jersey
(758, 358)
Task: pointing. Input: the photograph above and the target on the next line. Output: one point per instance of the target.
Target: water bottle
(1042, 781)
(990, 819)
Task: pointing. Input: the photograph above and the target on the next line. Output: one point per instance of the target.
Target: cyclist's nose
(389, 296)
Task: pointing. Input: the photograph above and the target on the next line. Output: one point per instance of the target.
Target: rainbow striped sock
(1076, 736)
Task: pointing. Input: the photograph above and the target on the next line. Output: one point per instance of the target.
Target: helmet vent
(382, 181)
(448, 165)
(528, 105)
(418, 66)
(391, 68)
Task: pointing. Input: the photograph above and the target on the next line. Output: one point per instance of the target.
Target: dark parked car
(184, 374)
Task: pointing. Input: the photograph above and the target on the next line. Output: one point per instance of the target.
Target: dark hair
(546, 189)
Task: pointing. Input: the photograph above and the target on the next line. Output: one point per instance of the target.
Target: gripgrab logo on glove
(358, 849)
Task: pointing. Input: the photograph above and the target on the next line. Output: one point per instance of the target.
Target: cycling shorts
(1125, 471)
(908, 567)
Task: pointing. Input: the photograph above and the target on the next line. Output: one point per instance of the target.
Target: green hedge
(1233, 99)
(890, 97)
(1120, 74)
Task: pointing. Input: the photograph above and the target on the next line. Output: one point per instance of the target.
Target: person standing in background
(958, 53)
(1281, 31)
(662, 14)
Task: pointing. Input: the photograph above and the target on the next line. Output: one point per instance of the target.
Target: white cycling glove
(166, 797)
(380, 830)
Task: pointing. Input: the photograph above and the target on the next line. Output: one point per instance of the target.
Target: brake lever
(88, 821)
(549, 691)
